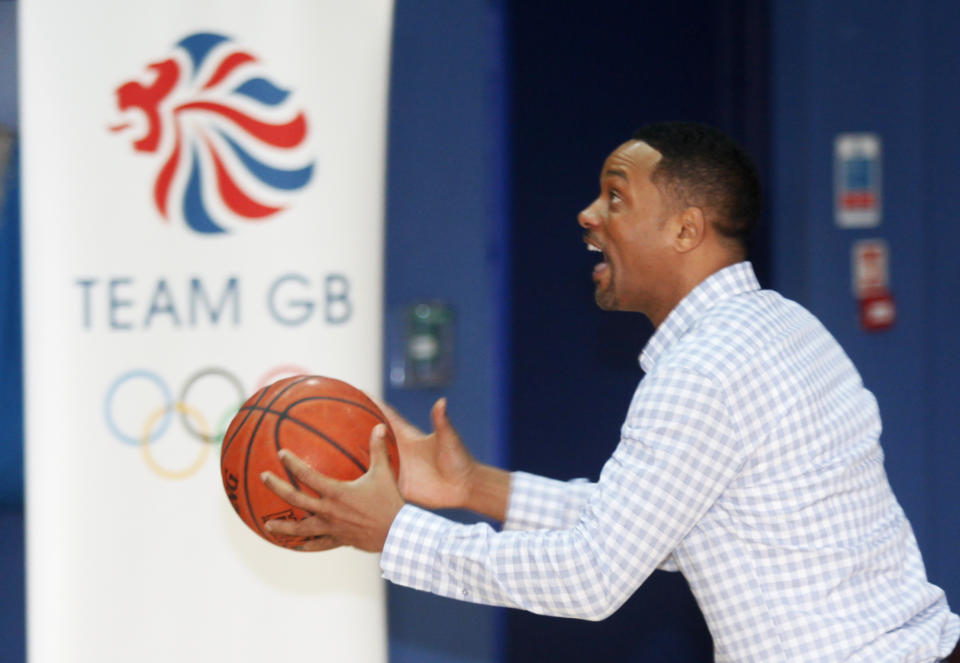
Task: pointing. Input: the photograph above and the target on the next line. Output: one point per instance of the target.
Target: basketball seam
(246, 460)
(227, 443)
(284, 416)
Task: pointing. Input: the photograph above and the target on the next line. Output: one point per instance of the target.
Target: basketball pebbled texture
(324, 421)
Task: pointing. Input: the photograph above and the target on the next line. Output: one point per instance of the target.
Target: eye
(614, 196)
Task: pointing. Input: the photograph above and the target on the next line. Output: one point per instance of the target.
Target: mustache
(590, 238)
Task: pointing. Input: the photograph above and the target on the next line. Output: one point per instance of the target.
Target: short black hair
(702, 166)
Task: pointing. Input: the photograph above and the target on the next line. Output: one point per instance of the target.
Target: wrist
(488, 491)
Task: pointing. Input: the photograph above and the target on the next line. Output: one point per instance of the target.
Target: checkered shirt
(749, 460)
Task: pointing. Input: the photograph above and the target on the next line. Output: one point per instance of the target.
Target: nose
(588, 218)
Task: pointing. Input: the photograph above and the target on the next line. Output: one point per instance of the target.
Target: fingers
(438, 415)
(355, 513)
(302, 471)
(313, 533)
(378, 447)
(325, 487)
(289, 494)
(403, 428)
(396, 420)
(310, 527)
(320, 544)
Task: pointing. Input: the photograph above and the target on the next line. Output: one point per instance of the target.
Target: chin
(605, 300)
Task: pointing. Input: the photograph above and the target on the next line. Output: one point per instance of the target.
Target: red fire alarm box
(871, 284)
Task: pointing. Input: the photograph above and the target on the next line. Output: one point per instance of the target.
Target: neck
(692, 273)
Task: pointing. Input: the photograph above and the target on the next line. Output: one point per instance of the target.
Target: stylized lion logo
(232, 143)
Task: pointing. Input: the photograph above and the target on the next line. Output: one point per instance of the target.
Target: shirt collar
(720, 285)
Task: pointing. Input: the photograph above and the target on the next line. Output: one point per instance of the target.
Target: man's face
(627, 224)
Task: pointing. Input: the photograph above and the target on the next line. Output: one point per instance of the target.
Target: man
(749, 458)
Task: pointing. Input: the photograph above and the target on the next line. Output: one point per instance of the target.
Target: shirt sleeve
(540, 503)
(678, 450)
(537, 502)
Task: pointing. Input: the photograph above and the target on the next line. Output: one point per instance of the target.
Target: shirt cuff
(537, 502)
(409, 554)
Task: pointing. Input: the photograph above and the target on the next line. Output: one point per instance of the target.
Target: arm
(674, 459)
(437, 471)
(540, 503)
(537, 502)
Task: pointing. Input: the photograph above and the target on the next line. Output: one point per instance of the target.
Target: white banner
(203, 213)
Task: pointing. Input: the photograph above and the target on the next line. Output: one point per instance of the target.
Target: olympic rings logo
(203, 407)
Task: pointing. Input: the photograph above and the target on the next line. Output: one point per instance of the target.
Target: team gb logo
(231, 146)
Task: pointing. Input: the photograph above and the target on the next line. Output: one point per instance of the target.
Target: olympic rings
(112, 391)
(183, 409)
(130, 388)
(193, 379)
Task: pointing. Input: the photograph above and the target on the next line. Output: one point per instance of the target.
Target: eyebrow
(614, 172)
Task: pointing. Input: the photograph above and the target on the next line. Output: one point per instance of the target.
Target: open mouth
(601, 267)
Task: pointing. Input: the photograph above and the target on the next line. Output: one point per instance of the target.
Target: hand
(354, 513)
(436, 470)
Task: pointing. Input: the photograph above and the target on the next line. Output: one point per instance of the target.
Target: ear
(690, 229)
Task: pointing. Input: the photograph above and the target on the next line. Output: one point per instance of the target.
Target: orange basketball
(324, 421)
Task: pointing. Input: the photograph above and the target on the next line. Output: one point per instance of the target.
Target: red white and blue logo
(231, 141)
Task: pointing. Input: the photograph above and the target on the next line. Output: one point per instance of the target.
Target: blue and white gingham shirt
(749, 461)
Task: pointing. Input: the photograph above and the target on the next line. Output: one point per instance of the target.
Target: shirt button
(465, 592)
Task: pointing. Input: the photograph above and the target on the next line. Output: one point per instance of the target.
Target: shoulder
(743, 332)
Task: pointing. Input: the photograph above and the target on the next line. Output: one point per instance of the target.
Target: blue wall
(11, 368)
(448, 240)
(889, 68)
(580, 84)
(11, 433)
(582, 81)
(941, 267)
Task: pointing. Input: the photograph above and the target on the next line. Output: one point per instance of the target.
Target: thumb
(378, 447)
(396, 420)
(438, 416)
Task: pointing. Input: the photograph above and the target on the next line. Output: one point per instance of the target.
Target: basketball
(324, 421)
